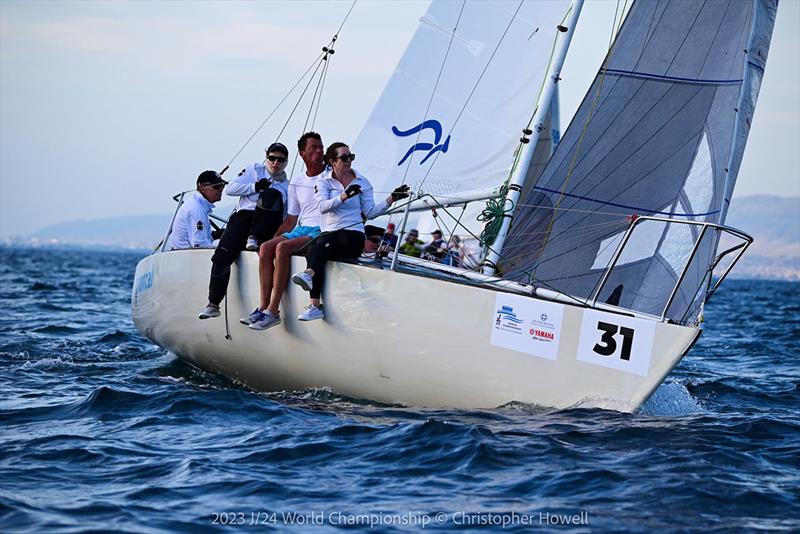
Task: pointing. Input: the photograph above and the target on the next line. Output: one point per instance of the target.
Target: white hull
(400, 338)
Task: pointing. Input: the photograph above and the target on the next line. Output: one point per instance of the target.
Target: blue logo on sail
(431, 148)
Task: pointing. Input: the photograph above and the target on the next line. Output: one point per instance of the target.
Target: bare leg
(283, 265)
(266, 258)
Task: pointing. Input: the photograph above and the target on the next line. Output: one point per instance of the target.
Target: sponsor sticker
(617, 342)
(524, 324)
(143, 284)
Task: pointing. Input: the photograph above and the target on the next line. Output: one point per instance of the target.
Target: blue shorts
(302, 231)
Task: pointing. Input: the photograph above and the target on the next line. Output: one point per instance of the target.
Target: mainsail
(451, 116)
(660, 132)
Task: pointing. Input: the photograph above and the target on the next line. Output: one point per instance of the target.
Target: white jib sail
(461, 137)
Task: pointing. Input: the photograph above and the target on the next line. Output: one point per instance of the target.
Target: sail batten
(674, 79)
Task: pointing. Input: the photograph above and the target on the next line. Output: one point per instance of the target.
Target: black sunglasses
(345, 157)
(279, 159)
(218, 187)
(375, 240)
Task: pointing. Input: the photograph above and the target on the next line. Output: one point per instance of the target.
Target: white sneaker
(303, 280)
(311, 313)
(209, 312)
(252, 243)
(267, 320)
(254, 316)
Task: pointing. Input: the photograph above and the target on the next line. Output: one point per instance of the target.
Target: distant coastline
(774, 223)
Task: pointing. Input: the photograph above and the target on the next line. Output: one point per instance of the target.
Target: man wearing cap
(373, 241)
(191, 228)
(436, 249)
(389, 239)
(260, 186)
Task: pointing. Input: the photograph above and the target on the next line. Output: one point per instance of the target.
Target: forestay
(489, 74)
(660, 132)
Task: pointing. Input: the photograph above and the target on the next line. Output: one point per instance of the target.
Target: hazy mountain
(774, 222)
(138, 231)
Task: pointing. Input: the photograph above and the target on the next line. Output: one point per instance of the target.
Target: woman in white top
(343, 194)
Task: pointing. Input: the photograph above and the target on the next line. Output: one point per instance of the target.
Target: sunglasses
(374, 240)
(279, 159)
(345, 157)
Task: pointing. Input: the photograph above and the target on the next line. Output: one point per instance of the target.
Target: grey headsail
(660, 132)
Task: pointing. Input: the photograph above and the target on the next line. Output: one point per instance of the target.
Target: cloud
(180, 46)
(172, 47)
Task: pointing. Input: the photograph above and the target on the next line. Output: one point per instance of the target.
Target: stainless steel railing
(739, 248)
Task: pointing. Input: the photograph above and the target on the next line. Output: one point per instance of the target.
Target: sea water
(101, 430)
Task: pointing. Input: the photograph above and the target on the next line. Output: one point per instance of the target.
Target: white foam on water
(670, 399)
(48, 364)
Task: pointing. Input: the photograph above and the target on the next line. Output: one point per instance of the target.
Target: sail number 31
(621, 343)
(608, 344)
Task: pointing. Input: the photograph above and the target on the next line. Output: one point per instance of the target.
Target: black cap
(210, 178)
(373, 231)
(278, 147)
(436, 232)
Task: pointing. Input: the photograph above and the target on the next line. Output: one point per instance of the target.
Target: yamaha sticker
(527, 325)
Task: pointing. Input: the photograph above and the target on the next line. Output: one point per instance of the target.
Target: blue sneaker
(253, 317)
(267, 320)
(311, 313)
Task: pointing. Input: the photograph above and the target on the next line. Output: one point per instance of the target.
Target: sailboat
(596, 265)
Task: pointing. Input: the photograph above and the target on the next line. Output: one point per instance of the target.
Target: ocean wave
(41, 286)
(57, 329)
(48, 364)
(116, 336)
(102, 430)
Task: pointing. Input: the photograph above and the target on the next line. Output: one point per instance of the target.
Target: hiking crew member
(192, 228)
(343, 195)
(260, 187)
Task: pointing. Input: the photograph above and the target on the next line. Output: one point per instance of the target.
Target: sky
(108, 108)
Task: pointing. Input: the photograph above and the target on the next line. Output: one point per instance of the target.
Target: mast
(542, 108)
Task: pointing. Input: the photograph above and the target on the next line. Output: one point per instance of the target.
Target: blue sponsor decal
(507, 318)
(143, 283)
(432, 148)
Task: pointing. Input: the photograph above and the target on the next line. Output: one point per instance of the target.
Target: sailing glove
(216, 234)
(352, 190)
(262, 185)
(400, 192)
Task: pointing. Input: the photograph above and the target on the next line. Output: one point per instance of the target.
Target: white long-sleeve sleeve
(192, 228)
(346, 215)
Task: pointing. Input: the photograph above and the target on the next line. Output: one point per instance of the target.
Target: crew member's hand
(216, 234)
(400, 192)
(352, 190)
(262, 185)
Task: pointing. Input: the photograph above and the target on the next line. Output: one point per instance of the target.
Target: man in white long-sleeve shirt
(192, 228)
(262, 190)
